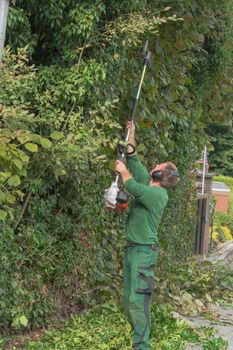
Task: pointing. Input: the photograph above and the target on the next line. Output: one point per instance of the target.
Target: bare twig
(25, 204)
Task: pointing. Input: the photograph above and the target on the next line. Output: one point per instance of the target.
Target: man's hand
(121, 168)
(131, 126)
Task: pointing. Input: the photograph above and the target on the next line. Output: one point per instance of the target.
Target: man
(150, 198)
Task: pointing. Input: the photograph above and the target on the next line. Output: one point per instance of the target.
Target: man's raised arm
(138, 170)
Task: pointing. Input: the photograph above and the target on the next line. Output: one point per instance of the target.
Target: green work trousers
(139, 266)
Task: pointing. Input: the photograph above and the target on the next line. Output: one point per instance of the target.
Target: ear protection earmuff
(159, 175)
(174, 173)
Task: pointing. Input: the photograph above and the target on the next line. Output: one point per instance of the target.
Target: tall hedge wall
(64, 101)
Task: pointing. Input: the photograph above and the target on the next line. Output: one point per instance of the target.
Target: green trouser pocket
(145, 282)
(147, 259)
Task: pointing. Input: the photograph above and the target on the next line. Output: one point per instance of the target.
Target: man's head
(166, 174)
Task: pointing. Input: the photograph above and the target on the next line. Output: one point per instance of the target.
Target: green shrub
(224, 219)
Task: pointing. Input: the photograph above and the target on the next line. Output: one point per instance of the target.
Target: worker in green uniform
(150, 198)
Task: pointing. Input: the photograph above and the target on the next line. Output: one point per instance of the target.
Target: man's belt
(133, 244)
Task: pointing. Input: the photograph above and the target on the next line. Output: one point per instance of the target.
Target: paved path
(223, 326)
(224, 322)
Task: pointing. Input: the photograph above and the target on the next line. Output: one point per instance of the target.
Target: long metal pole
(147, 54)
(4, 7)
(203, 172)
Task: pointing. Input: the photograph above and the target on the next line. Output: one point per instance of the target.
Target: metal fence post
(4, 7)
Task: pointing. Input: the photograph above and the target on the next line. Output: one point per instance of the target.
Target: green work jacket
(146, 209)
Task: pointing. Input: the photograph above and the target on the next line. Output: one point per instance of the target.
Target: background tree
(221, 157)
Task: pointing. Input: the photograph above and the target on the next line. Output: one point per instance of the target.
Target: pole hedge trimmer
(114, 197)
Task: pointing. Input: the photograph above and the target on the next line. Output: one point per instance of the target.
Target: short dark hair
(169, 180)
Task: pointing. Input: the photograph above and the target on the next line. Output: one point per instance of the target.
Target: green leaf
(20, 194)
(141, 147)
(23, 321)
(17, 163)
(10, 198)
(6, 132)
(22, 172)
(60, 172)
(14, 181)
(35, 138)
(3, 215)
(32, 147)
(5, 174)
(23, 138)
(2, 196)
(45, 143)
(57, 135)
(24, 157)
(103, 156)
